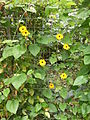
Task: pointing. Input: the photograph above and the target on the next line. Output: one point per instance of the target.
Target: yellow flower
(42, 62)
(22, 29)
(59, 36)
(51, 86)
(63, 76)
(66, 47)
(25, 33)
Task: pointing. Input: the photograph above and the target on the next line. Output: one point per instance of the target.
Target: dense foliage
(44, 60)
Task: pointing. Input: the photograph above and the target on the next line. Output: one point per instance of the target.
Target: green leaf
(80, 80)
(62, 106)
(31, 80)
(87, 50)
(18, 51)
(63, 93)
(47, 93)
(17, 80)
(38, 75)
(63, 117)
(83, 14)
(33, 114)
(49, 9)
(53, 59)
(52, 108)
(44, 105)
(84, 70)
(75, 110)
(41, 72)
(15, 51)
(87, 59)
(31, 100)
(3, 119)
(7, 52)
(12, 106)
(88, 109)
(31, 92)
(84, 108)
(34, 49)
(46, 39)
(30, 72)
(69, 4)
(57, 116)
(38, 107)
(65, 55)
(6, 92)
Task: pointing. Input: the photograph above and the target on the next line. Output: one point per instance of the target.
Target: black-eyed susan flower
(25, 33)
(22, 29)
(63, 76)
(51, 86)
(66, 47)
(59, 36)
(42, 62)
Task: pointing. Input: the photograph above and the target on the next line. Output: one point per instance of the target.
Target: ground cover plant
(44, 60)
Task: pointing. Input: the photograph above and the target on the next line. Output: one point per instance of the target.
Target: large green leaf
(15, 51)
(87, 59)
(16, 80)
(52, 108)
(12, 106)
(80, 80)
(34, 49)
(18, 51)
(47, 93)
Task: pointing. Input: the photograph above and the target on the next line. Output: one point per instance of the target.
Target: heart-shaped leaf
(62, 106)
(34, 49)
(12, 106)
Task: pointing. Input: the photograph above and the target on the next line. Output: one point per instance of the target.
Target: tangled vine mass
(44, 60)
